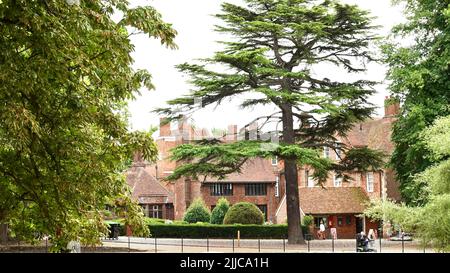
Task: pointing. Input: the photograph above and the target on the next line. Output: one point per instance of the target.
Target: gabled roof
(257, 170)
(332, 200)
(145, 186)
(373, 133)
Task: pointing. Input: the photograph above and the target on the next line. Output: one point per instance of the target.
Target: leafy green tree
(420, 78)
(65, 73)
(276, 45)
(219, 211)
(197, 212)
(244, 213)
(431, 222)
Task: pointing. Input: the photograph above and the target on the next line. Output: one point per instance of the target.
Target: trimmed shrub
(307, 220)
(244, 213)
(218, 213)
(197, 212)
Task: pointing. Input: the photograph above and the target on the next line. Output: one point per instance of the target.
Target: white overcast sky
(196, 39)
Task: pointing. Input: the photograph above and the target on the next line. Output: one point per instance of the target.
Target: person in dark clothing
(362, 241)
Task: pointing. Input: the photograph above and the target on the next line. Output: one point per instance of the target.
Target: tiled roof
(373, 133)
(254, 170)
(332, 200)
(145, 185)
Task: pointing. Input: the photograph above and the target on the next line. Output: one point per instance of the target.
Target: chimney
(249, 131)
(391, 107)
(164, 127)
(184, 128)
(253, 133)
(232, 133)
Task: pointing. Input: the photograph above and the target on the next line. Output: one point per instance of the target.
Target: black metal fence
(184, 245)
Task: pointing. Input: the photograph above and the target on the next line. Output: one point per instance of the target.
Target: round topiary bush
(218, 213)
(244, 213)
(197, 212)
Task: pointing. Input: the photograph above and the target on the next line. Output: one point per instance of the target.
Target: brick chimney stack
(232, 133)
(391, 107)
(185, 131)
(164, 127)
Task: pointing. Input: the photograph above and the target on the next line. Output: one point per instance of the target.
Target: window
(156, 211)
(263, 209)
(255, 189)
(145, 209)
(340, 221)
(274, 161)
(338, 151)
(337, 181)
(326, 152)
(152, 211)
(322, 219)
(309, 179)
(277, 187)
(221, 189)
(370, 182)
(348, 220)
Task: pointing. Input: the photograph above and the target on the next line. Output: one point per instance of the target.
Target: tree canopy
(274, 48)
(65, 73)
(420, 78)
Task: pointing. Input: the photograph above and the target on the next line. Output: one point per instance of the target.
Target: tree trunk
(3, 233)
(295, 235)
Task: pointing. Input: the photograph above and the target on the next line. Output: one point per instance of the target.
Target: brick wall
(179, 199)
(344, 231)
(359, 179)
(239, 196)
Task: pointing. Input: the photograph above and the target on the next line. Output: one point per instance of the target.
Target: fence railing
(234, 245)
(182, 245)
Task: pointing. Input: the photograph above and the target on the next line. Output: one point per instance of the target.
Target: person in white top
(322, 230)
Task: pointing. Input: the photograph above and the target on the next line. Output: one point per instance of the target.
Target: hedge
(201, 231)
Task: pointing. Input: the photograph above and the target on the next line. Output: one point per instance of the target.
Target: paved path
(167, 245)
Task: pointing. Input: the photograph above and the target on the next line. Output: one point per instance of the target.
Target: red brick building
(257, 184)
(338, 204)
(154, 198)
